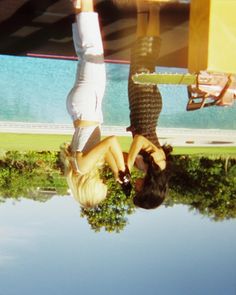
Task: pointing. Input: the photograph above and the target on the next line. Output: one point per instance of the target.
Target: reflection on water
(46, 248)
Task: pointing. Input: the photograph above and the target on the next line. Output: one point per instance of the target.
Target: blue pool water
(35, 90)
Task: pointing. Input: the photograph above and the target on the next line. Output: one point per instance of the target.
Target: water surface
(35, 90)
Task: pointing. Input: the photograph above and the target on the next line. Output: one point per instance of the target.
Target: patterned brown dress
(145, 101)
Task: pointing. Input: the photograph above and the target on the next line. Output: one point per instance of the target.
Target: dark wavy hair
(155, 184)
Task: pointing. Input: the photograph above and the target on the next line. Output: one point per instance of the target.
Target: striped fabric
(145, 101)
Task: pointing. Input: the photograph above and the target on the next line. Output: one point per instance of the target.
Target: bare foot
(76, 4)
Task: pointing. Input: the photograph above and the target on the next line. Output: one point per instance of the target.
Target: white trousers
(84, 102)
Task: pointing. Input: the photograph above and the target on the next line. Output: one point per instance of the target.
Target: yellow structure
(212, 36)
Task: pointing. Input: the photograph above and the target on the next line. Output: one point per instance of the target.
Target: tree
(205, 184)
(111, 214)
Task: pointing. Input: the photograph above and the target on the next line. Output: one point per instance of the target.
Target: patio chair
(211, 90)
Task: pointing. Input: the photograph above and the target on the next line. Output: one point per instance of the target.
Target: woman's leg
(142, 18)
(91, 74)
(108, 147)
(84, 102)
(148, 18)
(145, 101)
(153, 28)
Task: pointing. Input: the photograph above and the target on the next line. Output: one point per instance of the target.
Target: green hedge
(34, 175)
(205, 184)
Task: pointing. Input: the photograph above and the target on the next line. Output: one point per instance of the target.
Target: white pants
(84, 102)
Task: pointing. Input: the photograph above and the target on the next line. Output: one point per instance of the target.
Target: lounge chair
(212, 90)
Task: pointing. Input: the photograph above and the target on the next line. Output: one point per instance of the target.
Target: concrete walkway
(173, 136)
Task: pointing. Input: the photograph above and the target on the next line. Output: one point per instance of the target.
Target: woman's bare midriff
(84, 123)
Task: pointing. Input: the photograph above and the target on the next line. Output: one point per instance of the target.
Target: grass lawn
(40, 142)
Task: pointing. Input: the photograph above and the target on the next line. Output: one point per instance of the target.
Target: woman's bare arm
(112, 163)
(109, 149)
(139, 142)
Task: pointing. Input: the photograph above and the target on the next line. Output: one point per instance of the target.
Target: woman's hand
(139, 142)
(125, 181)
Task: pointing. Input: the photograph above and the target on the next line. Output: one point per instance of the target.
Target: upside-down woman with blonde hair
(86, 153)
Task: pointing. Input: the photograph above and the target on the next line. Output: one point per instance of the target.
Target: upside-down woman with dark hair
(145, 104)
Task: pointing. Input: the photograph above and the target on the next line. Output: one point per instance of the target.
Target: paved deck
(174, 136)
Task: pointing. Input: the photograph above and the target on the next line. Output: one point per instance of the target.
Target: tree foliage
(111, 214)
(34, 175)
(205, 184)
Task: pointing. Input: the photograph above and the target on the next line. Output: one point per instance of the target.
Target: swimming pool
(35, 90)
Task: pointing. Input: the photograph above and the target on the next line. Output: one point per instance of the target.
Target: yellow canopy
(212, 36)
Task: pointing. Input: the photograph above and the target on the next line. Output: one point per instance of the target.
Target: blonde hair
(88, 189)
